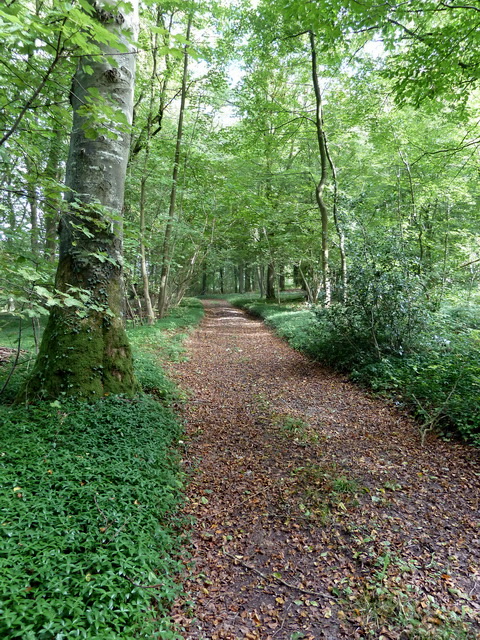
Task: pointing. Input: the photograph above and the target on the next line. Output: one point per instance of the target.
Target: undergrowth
(429, 364)
(90, 536)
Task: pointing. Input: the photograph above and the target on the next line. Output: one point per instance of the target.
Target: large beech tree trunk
(85, 351)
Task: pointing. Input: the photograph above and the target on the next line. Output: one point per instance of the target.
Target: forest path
(317, 512)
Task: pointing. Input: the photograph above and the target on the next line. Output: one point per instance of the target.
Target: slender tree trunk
(338, 226)
(143, 259)
(144, 142)
(143, 182)
(235, 280)
(204, 279)
(52, 196)
(270, 292)
(327, 287)
(281, 279)
(415, 218)
(85, 351)
(166, 252)
(32, 179)
(222, 288)
(138, 302)
(311, 296)
(297, 278)
(261, 280)
(248, 279)
(241, 278)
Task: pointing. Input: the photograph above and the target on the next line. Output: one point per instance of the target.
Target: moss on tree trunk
(86, 358)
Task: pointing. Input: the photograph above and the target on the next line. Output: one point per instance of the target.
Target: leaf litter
(316, 513)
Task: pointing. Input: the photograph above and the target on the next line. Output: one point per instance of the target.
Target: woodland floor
(317, 512)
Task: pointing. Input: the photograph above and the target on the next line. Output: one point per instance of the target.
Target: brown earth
(317, 512)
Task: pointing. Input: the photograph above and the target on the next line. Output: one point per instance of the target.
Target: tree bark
(85, 351)
(52, 196)
(281, 279)
(261, 279)
(241, 278)
(166, 252)
(338, 226)
(323, 175)
(221, 280)
(270, 292)
(143, 258)
(204, 279)
(248, 279)
(32, 179)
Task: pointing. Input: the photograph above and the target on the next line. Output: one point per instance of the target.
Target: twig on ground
(276, 578)
(283, 621)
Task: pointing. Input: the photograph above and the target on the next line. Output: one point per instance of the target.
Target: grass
(90, 532)
(323, 492)
(11, 329)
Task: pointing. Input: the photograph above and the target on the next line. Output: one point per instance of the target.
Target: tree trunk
(85, 351)
(261, 279)
(166, 252)
(297, 278)
(143, 260)
(222, 289)
(270, 292)
(204, 279)
(32, 178)
(235, 279)
(281, 279)
(241, 278)
(52, 196)
(338, 226)
(144, 142)
(248, 279)
(327, 288)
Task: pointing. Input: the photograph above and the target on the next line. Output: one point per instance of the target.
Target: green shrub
(165, 339)
(439, 383)
(12, 382)
(385, 314)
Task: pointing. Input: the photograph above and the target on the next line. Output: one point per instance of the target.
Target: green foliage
(428, 363)
(152, 378)
(296, 323)
(440, 381)
(163, 342)
(384, 315)
(88, 493)
(165, 339)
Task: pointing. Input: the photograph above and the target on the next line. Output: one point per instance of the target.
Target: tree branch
(37, 91)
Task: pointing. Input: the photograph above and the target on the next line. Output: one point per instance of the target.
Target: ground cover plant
(89, 529)
(428, 362)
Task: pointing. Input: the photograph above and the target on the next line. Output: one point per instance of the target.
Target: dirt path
(318, 514)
